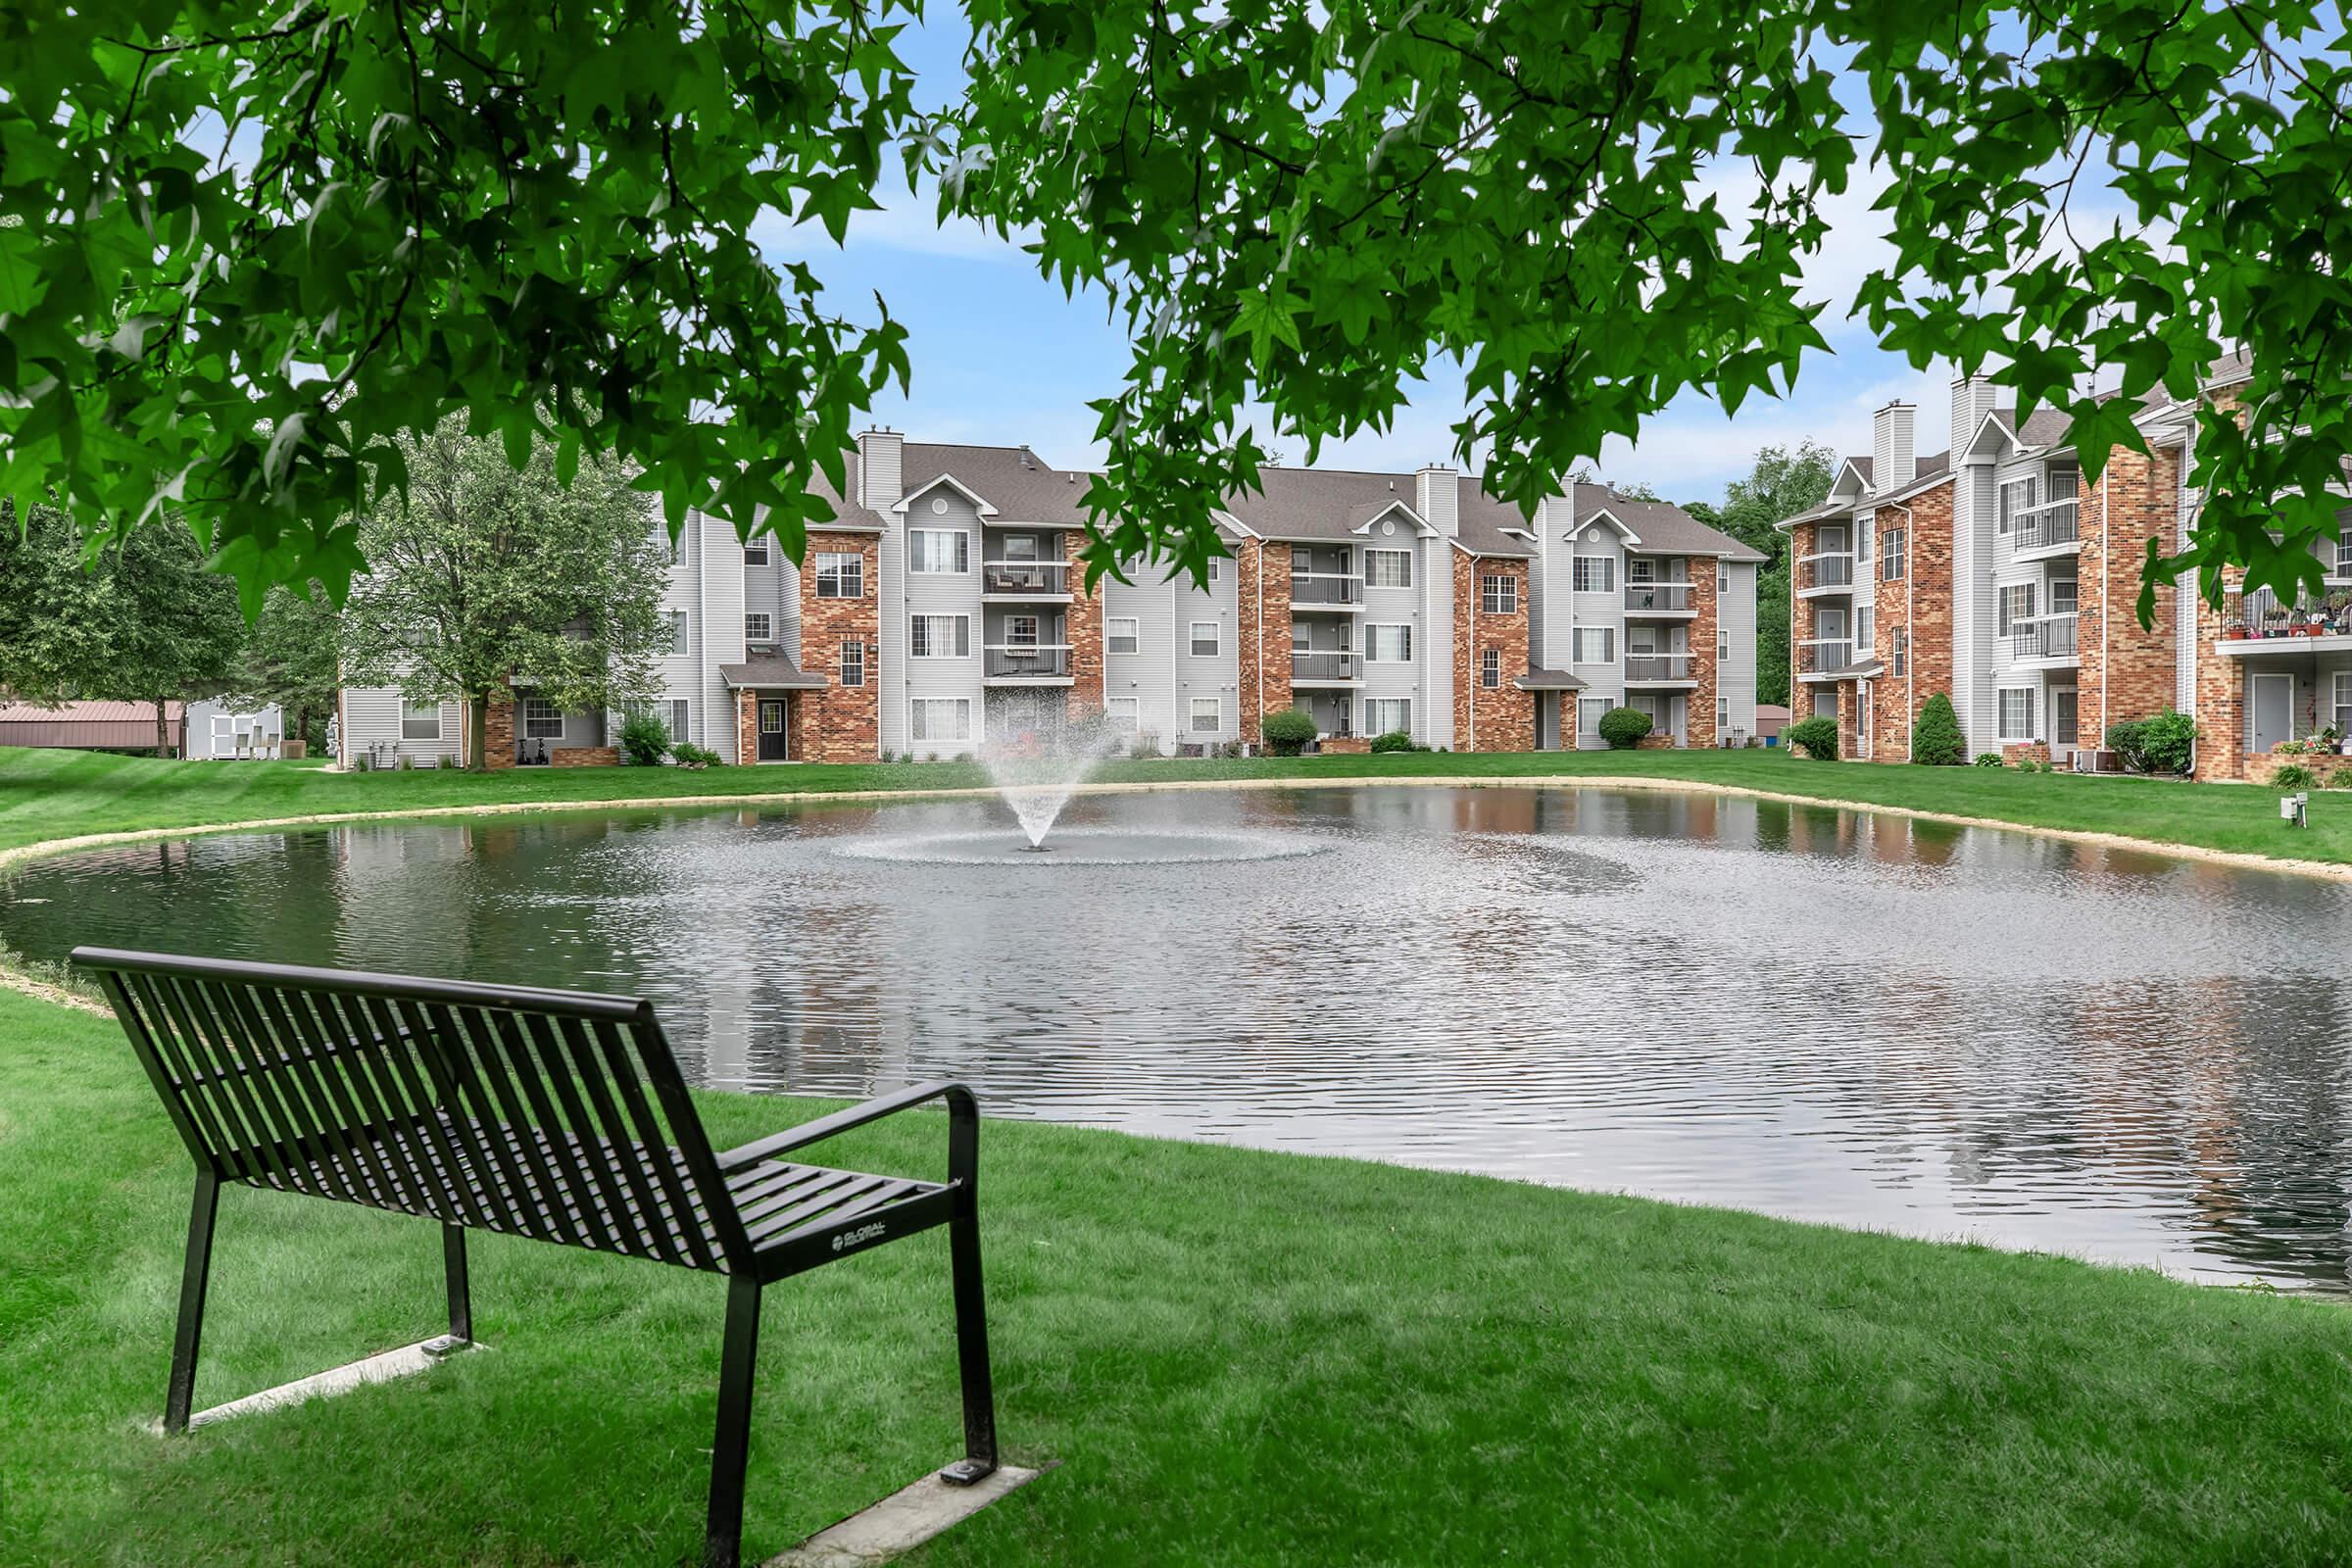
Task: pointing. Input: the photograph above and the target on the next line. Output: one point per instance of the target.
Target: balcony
(1329, 668)
(2266, 630)
(1820, 657)
(1024, 579)
(1326, 590)
(1044, 663)
(1671, 598)
(2052, 638)
(1657, 669)
(1830, 571)
(2052, 528)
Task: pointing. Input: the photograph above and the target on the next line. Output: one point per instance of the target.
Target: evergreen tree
(1937, 742)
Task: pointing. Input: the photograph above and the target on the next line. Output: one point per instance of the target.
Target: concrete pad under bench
(901, 1522)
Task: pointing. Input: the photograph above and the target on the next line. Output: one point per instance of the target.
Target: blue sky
(1001, 355)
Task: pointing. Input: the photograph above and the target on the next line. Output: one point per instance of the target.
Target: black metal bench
(526, 1112)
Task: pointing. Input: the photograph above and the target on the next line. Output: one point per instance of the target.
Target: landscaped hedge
(1818, 736)
(1288, 731)
(2164, 743)
(1938, 742)
(1624, 728)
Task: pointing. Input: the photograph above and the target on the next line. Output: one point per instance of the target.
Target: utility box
(2292, 808)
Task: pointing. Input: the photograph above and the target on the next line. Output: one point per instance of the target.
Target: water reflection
(1816, 1012)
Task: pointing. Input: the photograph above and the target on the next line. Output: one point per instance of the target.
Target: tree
(292, 658)
(485, 573)
(1937, 741)
(1781, 484)
(141, 622)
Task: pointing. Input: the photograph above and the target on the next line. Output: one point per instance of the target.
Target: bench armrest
(962, 1111)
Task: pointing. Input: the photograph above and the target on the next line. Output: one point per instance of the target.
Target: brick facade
(747, 725)
(1920, 603)
(2220, 698)
(2127, 672)
(1699, 709)
(1084, 634)
(840, 724)
(1263, 585)
(583, 757)
(1490, 718)
(497, 729)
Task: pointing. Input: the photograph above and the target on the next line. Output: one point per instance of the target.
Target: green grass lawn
(1236, 1357)
(47, 795)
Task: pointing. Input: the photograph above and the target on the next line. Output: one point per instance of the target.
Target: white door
(2273, 710)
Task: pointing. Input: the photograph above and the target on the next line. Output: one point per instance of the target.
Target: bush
(692, 756)
(1818, 736)
(1937, 742)
(2294, 776)
(1288, 732)
(1989, 759)
(446, 761)
(644, 741)
(1624, 728)
(1145, 743)
(1395, 739)
(2164, 743)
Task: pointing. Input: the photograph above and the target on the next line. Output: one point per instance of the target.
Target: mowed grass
(46, 795)
(1235, 1359)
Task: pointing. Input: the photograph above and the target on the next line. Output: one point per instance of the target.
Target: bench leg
(722, 1532)
(195, 1271)
(461, 1299)
(971, 1354)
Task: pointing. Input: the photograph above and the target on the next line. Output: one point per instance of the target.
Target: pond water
(1813, 1012)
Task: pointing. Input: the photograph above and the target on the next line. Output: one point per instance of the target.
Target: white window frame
(1489, 668)
(537, 715)
(1608, 644)
(1898, 651)
(1603, 567)
(1723, 577)
(2006, 618)
(1498, 593)
(1216, 568)
(2023, 729)
(1133, 636)
(923, 551)
(677, 633)
(1023, 631)
(1215, 639)
(1372, 640)
(2343, 553)
(1378, 564)
(1122, 714)
(850, 660)
(919, 714)
(413, 717)
(2343, 702)
(758, 627)
(1895, 553)
(2006, 514)
(1723, 643)
(1217, 717)
(1376, 707)
(841, 567)
(1723, 715)
(756, 552)
(1596, 707)
(2074, 597)
(919, 637)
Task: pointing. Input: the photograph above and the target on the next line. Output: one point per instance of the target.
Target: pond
(1813, 1012)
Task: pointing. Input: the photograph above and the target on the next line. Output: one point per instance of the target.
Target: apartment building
(941, 608)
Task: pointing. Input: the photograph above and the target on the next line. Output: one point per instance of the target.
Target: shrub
(2128, 741)
(1145, 743)
(1288, 731)
(1624, 728)
(643, 740)
(362, 762)
(2164, 743)
(1988, 760)
(692, 756)
(1818, 736)
(2294, 776)
(1937, 742)
(446, 761)
(406, 762)
(1395, 739)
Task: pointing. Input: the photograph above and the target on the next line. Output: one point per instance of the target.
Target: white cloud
(906, 221)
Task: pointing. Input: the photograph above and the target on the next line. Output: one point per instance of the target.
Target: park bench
(557, 1115)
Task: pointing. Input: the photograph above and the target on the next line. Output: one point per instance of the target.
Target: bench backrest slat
(559, 1115)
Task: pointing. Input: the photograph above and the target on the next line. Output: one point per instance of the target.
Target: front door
(772, 742)
(2065, 723)
(2274, 711)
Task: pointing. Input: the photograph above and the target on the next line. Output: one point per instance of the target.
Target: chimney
(1894, 462)
(1437, 495)
(1971, 400)
(878, 470)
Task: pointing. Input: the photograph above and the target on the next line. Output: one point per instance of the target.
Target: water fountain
(1037, 769)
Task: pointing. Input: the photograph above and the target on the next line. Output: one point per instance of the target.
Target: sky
(1001, 355)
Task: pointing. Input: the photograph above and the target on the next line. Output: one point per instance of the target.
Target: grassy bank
(46, 795)
(1237, 1358)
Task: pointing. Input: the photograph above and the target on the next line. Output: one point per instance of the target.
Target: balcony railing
(1818, 655)
(1333, 665)
(2054, 523)
(1828, 569)
(2047, 637)
(1010, 660)
(1657, 667)
(1326, 588)
(1024, 576)
(1657, 596)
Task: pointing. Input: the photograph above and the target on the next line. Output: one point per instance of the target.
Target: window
(1723, 577)
(940, 636)
(1205, 639)
(853, 662)
(2343, 553)
(1387, 645)
(1594, 645)
(1825, 705)
(754, 551)
(1021, 548)
(1123, 634)
(840, 576)
(1898, 651)
(2343, 702)
(677, 631)
(2062, 598)
(943, 718)
(1723, 643)
(419, 721)
(1890, 555)
(674, 716)
(1208, 716)
(2017, 499)
(1216, 568)
(1594, 575)
(542, 720)
(1387, 715)
(1119, 712)
(1587, 713)
(934, 550)
(1499, 594)
(1489, 668)
(1020, 631)
(758, 627)
(1723, 715)
(1388, 568)
(1861, 550)
(2016, 606)
(1866, 627)
(2016, 713)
